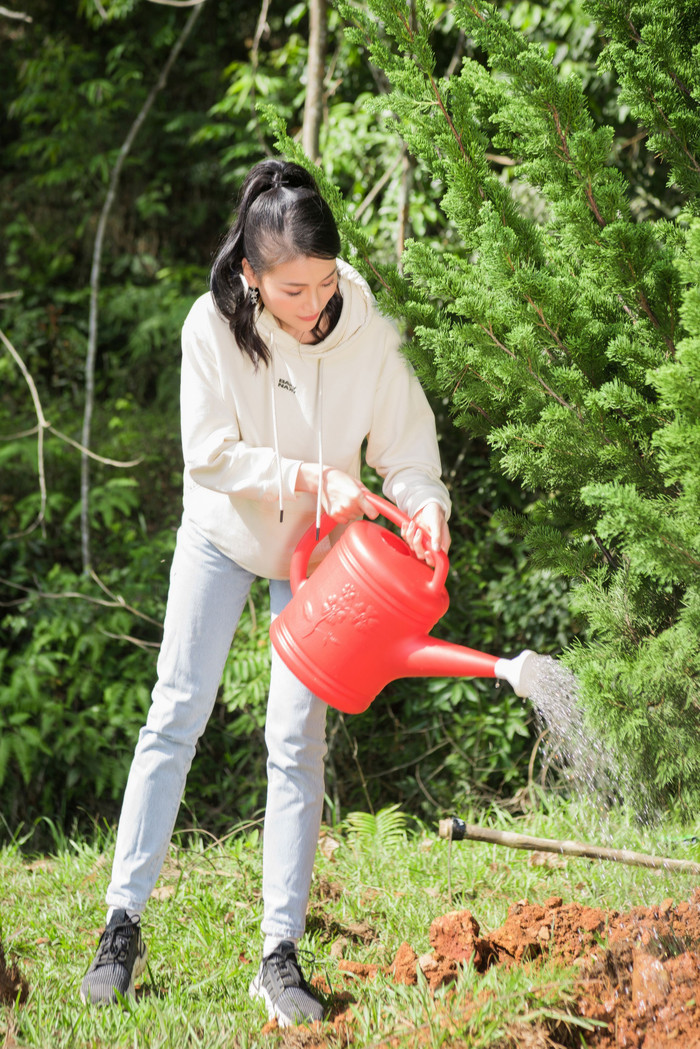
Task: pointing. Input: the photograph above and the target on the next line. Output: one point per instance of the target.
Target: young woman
(288, 369)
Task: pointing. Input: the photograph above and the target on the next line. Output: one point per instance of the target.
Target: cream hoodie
(245, 433)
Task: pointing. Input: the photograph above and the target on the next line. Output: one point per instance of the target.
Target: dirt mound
(13, 986)
(639, 971)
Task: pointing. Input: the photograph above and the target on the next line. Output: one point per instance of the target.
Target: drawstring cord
(280, 492)
(319, 424)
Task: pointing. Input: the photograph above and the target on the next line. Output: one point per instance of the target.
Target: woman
(288, 369)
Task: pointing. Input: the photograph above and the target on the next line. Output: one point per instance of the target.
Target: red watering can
(362, 618)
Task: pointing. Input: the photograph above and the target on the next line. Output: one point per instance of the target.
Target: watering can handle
(300, 558)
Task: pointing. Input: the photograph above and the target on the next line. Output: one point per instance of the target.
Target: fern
(373, 833)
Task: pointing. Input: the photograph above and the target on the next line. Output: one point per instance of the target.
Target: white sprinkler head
(518, 672)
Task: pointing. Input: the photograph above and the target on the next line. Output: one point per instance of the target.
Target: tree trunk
(315, 74)
(91, 354)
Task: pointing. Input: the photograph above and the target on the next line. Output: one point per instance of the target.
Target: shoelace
(115, 942)
(287, 965)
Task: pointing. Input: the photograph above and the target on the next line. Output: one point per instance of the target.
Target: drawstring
(319, 424)
(280, 491)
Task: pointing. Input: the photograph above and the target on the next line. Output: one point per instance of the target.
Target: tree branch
(42, 424)
(376, 189)
(114, 602)
(19, 15)
(95, 277)
(260, 30)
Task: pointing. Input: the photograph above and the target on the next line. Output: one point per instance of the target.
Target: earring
(253, 296)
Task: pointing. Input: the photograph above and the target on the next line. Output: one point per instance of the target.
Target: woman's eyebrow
(303, 284)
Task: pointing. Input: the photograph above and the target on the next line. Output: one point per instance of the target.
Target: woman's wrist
(307, 478)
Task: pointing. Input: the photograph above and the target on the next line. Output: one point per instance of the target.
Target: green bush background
(77, 650)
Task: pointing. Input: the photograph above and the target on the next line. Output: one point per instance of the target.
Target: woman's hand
(342, 497)
(427, 532)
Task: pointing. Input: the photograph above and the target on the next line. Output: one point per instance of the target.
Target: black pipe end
(459, 829)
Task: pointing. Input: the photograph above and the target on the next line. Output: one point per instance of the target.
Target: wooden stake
(457, 830)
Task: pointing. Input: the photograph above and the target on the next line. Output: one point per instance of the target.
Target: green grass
(384, 883)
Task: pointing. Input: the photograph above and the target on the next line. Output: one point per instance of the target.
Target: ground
(638, 974)
(639, 971)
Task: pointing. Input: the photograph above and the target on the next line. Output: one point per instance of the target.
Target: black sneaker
(284, 990)
(120, 959)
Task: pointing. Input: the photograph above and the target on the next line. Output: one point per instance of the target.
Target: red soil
(639, 971)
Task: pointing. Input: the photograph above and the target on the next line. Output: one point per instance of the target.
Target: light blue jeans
(207, 594)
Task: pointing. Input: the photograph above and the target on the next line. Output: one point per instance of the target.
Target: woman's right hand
(342, 497)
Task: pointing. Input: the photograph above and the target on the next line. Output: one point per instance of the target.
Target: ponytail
(280, 216)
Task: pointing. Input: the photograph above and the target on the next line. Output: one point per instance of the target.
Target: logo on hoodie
(285, 384)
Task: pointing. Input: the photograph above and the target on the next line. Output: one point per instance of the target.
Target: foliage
(76, 677)
(561, 335)
(73, 698)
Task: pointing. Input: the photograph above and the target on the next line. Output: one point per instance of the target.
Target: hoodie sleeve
(402, 445)
(215, 455)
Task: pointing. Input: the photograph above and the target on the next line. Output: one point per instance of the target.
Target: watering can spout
(518, 672)
(430, 657)
(434, 658)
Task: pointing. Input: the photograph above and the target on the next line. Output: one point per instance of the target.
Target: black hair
(281, 216)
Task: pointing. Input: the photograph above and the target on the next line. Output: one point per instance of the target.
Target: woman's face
(296, 292)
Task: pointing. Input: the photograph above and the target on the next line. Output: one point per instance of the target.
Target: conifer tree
(570, 342)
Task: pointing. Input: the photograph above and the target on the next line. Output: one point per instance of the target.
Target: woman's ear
(247, 271)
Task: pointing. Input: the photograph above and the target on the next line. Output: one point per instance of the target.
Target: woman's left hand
(427, 532)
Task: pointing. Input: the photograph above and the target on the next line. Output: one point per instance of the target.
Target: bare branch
(19, 15)
(119, 600)
(42, 425)
(403, 225)
(377, 188)
(95, 277)
(39, 521)
(260, 30)
(457, 54)
(122, 464)
(37, 592)
(114, 601)
(20, 435)
(178, 3)
(127, 637)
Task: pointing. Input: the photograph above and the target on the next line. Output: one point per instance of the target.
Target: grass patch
(379, 881)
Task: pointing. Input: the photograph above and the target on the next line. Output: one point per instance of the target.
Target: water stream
(570, 748)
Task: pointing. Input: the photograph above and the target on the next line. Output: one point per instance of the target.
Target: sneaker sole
(256, 990)
(139, 968)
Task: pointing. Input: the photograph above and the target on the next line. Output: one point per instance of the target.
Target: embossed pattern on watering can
(338, 609)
